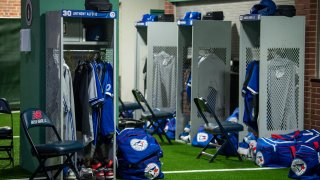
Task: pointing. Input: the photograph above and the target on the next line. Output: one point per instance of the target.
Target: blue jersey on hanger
(107, 121)
(95, 104)
(250, 92)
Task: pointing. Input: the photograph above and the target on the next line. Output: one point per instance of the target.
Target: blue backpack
(171, 128)
(150, 168)
(136, 145)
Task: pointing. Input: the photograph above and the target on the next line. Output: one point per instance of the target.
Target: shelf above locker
(88, 43)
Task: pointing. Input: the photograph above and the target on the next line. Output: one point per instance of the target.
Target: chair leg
(233, 148)
(217, 153)
(35, 172)
(165, 134)
(71, 165)
(204, 149)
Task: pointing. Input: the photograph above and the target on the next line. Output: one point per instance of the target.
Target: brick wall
(168, 8)
(10, 8)
(308, 8)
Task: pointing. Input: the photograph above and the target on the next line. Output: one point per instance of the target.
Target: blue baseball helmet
(264, 8)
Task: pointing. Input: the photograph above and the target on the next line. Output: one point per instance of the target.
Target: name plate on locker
(88, 14)
(250, 17)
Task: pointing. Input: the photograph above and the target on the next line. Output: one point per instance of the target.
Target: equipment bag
(275, 153)
(149, 168)
(202, 138)
(134, 144)
(306, 164)
(285, 10)
(98, 5)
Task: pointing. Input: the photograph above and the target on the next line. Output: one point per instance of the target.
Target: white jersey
(68, 105)
(164, 81)
(281, 92)
(211, 83)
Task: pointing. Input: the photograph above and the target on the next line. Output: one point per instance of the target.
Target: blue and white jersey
(95, 102)
(107, 120)
(250, 93)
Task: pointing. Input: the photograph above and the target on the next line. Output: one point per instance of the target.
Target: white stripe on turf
(38, 178)
(16, 136)
(218, 170)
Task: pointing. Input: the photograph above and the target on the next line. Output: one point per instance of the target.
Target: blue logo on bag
(202, 137)
(298, 166)
(152, 171)
(139, 144)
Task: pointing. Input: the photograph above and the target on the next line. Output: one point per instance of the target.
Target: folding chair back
(141, 100)
(223, 128)
(152, 116)
(6, 132)
(35, 118)
(4, 106)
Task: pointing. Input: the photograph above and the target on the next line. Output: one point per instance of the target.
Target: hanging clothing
(107, 120)
(282, 86)
(68, 104)
(250, 94)
(211, 83)
(164, 81)
(86, 96)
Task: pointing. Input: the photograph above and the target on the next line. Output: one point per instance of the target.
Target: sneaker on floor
(70, 175)
(100, 174)
(86, 173)
(109, 170)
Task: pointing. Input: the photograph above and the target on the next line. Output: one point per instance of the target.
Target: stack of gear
(98, 5)
(280, 150)
(285, 10)
(148, 18)
(189, 16)
(138, 155)
(247, 148)
(264, 8)
(185, 135)
(166, 18)
(306, 164)
(213, 15)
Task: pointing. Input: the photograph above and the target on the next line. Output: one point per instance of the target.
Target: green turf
(7, 172)
(177, 157)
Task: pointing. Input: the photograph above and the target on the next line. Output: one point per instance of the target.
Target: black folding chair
(219, 127)
(127, 106)
(6, 133)
(152, 115)
(35, 118)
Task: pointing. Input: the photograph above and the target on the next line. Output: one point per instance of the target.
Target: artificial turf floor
(177, 157)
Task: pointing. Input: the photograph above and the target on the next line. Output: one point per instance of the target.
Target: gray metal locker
(204, 49)
(278, 43)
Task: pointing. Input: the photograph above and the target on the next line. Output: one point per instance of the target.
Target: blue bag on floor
(306, 164)
(149, 168)
(171, 128)
(135, 145)
(275, 153)
(202, 138)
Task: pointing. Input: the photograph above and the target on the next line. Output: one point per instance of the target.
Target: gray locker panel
(210, 37)
(161, 39)
(53, 70)
(249, 50)
(141, 56)
(283, 37)
(183, 70)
